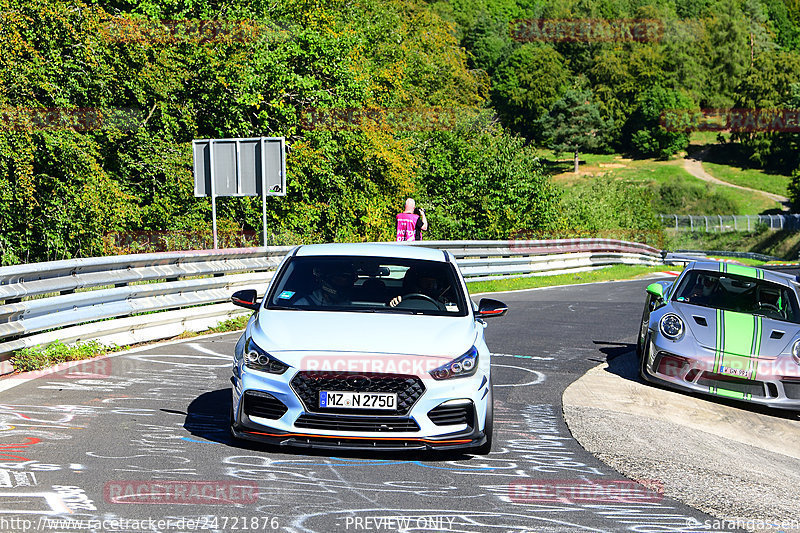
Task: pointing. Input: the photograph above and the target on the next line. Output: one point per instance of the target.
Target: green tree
(728, 39)
(574, 124)
(527, 83)
(647, 133)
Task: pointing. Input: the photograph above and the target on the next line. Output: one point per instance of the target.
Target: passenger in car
(334, 286)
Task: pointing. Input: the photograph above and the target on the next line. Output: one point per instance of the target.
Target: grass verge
(612, 273)
(40, 357)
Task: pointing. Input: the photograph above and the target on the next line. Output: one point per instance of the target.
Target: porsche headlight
(258, 359)
(671, 326)
(461, 367)
(796, 351)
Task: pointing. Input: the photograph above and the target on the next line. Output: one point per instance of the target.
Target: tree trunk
(576, 161)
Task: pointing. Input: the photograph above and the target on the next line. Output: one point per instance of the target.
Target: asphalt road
(139, 442)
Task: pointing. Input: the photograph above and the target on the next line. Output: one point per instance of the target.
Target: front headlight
(796, 351)
(258, 359)
(460, 367)
(671, 326)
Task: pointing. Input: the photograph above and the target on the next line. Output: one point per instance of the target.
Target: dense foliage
(468, 99)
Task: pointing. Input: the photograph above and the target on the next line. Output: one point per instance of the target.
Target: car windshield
(730, 292)
(368, 284)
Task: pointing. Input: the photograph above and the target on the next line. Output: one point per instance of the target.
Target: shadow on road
(208, 417)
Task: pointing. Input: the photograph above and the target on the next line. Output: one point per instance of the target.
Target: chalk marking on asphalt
(539, 377)
(534, 357)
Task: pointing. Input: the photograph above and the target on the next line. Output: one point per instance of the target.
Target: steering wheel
(770, 307)
(420, 296)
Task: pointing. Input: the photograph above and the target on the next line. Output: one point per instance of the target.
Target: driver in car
(702, 290)
(421, 284)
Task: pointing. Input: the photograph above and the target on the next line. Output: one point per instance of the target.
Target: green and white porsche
(726, 330)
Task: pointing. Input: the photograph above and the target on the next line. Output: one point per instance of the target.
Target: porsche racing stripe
(738, 346)
(741, 270)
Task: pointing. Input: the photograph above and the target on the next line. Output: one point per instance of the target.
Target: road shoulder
(725, 460)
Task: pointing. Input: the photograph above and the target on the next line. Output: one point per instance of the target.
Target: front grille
(450, 415)
(356, 423)
(792, 389)
(257, 403)
(308, 384)
(721, 381)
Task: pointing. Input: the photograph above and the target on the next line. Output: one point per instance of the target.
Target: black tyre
(488, 429)
(232, 422)
(643, 325)
(643, 359)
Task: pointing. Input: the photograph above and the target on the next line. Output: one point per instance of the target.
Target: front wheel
(640, 340)
(644, 357)
(488, 427)
(232, 422)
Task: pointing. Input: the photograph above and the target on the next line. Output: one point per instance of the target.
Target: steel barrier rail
(103, 298)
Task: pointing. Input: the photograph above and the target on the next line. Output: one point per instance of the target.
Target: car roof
(372, 249)
(752, 272)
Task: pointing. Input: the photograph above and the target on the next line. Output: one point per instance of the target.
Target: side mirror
(247, 298)
(489, 308)
(655, 290)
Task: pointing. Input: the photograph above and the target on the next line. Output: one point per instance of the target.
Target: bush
(647, 136)
(608, 204)
(38, 357)
(794, 190)
(682, 197)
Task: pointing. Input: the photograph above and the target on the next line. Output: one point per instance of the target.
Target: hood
(390, 333)
(735, 333)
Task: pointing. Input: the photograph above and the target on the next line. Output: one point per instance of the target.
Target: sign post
(254, 166)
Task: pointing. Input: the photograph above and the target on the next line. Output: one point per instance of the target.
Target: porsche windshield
(738, 293)
(368, 284)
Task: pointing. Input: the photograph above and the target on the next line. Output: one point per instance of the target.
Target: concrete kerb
(9, 381)
(730, 460)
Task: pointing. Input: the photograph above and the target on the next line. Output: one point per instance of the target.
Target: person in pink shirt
(407, 222)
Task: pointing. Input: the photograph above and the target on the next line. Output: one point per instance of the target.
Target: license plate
(358, 400)
(740, 372)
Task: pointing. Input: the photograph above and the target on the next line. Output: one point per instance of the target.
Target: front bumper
(411, 428)
(776, 384)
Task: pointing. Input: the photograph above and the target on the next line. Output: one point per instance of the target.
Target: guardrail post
(720, 223)
(734, 224)
(691, 223)
(676, 222)
(706, 218)
(748, 222)
(782, 218)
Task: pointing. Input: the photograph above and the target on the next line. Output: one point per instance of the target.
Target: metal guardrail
(737, 255)
(723, 223)
(115, 299)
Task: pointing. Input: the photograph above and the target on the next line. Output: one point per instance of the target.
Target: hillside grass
(752, 178)
(675, 190)
(784, 245)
